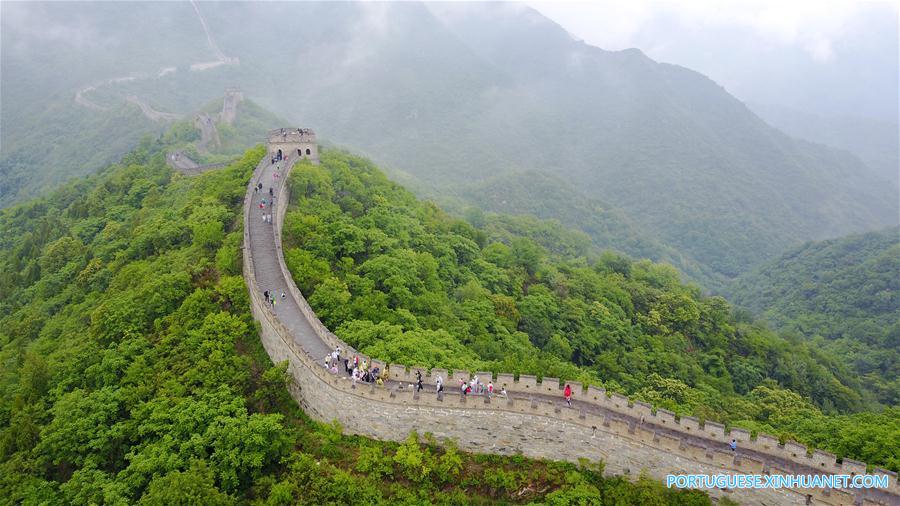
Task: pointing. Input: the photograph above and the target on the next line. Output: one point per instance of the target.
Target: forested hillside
(132, 372)
(451, 96)
(843, 295)
(877, 143)
(402, 281)
(548, 197)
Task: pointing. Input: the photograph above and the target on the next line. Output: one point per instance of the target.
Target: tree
(184, 488)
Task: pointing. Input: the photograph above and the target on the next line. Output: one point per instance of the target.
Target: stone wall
(629, 437)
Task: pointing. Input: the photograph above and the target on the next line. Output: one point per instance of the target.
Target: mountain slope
(846, 291)
(454, 95)
(398, 279)
(876, 143)
(547, 197)
(133, 374)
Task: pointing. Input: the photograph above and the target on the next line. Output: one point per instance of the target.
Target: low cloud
(813, 26)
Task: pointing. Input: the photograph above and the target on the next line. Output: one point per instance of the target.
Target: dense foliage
(844, 295)
(401, 280)
(537, 194)
(132, 371)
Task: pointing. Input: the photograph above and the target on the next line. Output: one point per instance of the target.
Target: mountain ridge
(683, 159)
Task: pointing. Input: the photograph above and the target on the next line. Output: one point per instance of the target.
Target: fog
(832, 58)
(462, 102)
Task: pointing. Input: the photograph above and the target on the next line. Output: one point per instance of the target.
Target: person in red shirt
(567, 393)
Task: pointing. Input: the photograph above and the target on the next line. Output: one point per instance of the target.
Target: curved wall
(628, 437)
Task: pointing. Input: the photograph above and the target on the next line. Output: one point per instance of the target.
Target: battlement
(628, 435)
(282, 135)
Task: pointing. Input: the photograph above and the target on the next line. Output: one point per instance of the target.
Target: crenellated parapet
(532, 420)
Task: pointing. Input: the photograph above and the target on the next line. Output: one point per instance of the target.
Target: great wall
(148, 111)
(629, 437)
(209, 134)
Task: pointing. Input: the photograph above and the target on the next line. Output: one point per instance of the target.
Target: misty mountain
(844, 293)
(876, 143)
(545, 196)
(449, 97)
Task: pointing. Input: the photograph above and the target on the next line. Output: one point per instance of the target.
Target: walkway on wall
(266, 267)
(269, 276)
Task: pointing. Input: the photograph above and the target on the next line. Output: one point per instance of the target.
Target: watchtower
(299, 143)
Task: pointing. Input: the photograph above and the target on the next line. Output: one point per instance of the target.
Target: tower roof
(291, 135)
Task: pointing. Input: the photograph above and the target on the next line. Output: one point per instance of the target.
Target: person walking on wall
(440, 383)
(733, 445)
(567, 393)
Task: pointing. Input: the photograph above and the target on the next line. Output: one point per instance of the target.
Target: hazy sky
(829, 57)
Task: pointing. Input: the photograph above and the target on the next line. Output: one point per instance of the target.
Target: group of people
(476, 387)
(357, 370)
(270, 297)
(266, 205)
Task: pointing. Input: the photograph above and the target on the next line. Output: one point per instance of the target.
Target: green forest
(548, 197)
(133, 374)
(404, 282)
(841, 294)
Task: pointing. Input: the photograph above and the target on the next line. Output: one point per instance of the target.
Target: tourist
(490, 389)
(440, 383)
(567, 393)
(503, 392)
(733, 445)
(266, 295)
(282, 299)
(464, 387)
